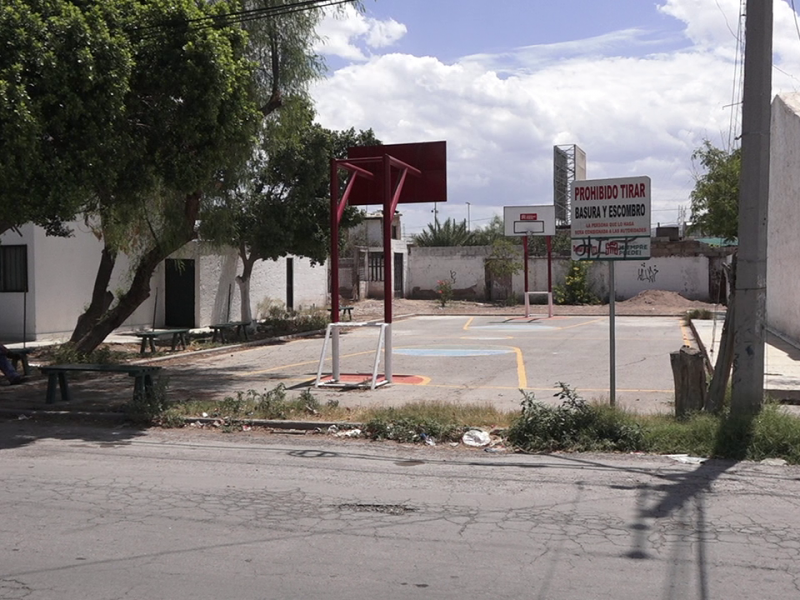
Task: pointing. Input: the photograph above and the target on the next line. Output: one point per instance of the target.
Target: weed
(702, 314)
(576, 288)
(67, 354)
(149, 408)
(574, 425)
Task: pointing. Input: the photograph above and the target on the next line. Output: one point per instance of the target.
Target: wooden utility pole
(751, 279)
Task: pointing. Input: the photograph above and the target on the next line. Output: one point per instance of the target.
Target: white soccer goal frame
(332, 336)
(549, 303)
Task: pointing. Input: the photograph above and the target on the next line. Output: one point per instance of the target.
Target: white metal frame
(332, 335)
(549, 303)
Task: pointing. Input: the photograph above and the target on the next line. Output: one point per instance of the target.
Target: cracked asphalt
(102, 513)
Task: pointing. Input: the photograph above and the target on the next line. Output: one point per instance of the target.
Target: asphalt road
(107, 514)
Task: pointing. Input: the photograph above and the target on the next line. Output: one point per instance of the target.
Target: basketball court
(475, 359)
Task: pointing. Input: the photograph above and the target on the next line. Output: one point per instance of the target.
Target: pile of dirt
(660, 298)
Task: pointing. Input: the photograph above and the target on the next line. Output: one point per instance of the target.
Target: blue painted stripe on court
(453, 352)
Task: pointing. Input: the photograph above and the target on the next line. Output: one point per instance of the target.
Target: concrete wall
(216, 280)
(687, 275)
(783, 242)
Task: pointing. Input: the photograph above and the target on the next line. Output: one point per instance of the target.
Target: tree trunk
(722, 369)
(101, 296)
(244, 284)
(139, 289)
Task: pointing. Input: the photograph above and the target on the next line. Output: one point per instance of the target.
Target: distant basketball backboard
(429, 157)
(529, 220)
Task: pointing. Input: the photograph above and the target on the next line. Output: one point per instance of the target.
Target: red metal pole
(334, 242)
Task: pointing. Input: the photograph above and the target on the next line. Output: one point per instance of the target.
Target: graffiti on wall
(648, 273)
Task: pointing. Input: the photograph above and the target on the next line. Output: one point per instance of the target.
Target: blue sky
(637, 84)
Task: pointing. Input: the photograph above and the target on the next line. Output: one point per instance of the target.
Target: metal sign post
(611, 221)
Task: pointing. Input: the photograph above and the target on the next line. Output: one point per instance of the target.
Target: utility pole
(468, 219)
(751, 277)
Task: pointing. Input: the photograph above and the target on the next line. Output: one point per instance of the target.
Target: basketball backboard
(529, 220)
(429, 157)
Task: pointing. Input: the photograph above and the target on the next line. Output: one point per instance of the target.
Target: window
(13, 268)
(375, 266)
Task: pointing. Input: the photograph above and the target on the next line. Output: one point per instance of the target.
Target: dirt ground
(647, 303)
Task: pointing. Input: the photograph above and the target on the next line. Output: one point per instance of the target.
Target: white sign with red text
(529, 220)
(611, 219)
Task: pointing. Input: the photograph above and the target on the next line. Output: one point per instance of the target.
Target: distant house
(361, 273)
(46, 283)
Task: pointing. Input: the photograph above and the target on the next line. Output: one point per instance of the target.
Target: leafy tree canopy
(715, 198)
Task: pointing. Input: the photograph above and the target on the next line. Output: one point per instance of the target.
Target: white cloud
(501, 114)
(344, 33)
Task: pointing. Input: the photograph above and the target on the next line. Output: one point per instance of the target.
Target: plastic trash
(476, 438)
(333, 429)
(350, 433)
(686, 459)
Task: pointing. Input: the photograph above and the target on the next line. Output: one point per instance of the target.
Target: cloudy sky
(637, 84)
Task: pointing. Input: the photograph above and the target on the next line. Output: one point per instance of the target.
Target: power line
(243, 16)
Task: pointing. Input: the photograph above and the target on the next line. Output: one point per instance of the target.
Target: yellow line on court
(522, 377)
(468, 323)
(581, 324)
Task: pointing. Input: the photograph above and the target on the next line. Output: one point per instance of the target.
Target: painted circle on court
(452, 352)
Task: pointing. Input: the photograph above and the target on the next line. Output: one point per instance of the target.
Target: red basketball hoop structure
(387, 175)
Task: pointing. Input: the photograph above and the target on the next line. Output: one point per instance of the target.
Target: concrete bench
(20, 355)
(57, 376)
(149, 337)
(238, 327)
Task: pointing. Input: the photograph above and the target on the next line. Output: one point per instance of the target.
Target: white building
(194, 288)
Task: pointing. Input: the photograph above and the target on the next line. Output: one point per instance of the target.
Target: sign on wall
(611, 219)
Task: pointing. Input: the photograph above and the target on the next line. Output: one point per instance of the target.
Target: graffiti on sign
(610, 248)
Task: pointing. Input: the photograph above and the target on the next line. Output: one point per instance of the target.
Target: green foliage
(449, 233)
(486, 236)
(699, 313)
(151, 409)
(574, 425)
(505, 259)
(408, 428)
(64, 354)
(286, 324)
(65, 74)
(282, 206)
(715, 198)
(444, 289)
(561, 244)
(576, 288)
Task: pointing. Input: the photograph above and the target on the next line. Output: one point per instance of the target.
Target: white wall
(687, 275)
(427, 265)
(61, 275)
(783, 243)
(217, 270)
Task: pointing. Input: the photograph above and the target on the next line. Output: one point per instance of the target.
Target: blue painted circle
(452, 351)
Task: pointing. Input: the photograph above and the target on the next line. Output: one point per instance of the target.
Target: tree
(715, 198)
(449, 233)
(494, 230)
(204, 155)
(189, 118)
(64, 76)
(283, 205)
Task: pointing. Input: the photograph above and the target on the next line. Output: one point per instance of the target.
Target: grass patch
(702, 314)
(577, 426)
(64, 354)
(442, 421)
